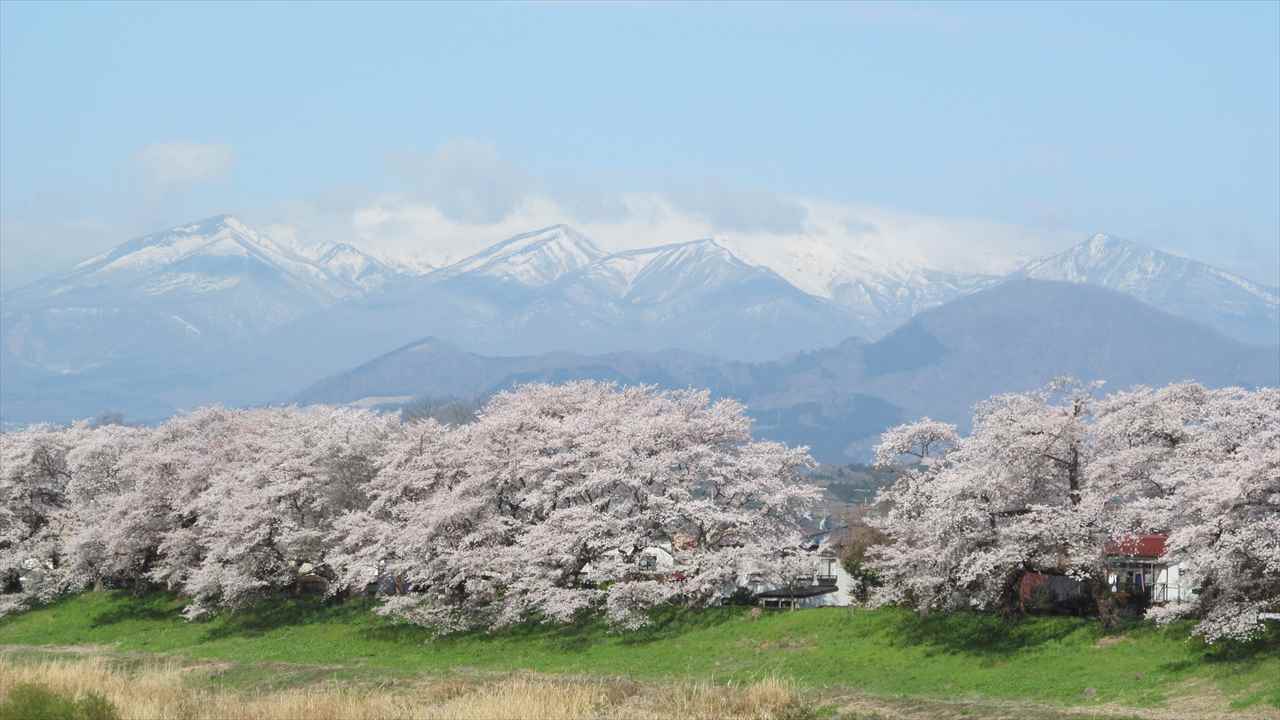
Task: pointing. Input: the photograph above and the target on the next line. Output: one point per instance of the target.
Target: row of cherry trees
(533, 511)
(1045, 479)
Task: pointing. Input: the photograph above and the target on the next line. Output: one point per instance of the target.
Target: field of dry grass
(175, 691)
(148, 688)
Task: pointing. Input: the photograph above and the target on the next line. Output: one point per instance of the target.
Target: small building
(824, 582)
(816, 577)
(1139, 565)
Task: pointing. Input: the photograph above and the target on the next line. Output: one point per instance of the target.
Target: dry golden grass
(174, 692)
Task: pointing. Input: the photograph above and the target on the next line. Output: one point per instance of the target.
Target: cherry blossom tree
(33, 513)
(538, 509)
(1011, 497)
(1207, 468)
(421, 461)
(542, 506)
(223, 506)
(1045, 479)
(266, 509)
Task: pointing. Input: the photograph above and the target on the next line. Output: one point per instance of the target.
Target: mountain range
(1014, 336)
(216, 311)
(207, 285)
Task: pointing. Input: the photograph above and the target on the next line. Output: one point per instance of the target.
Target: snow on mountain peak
(659, 273)
(1245, 309)
(1103, 259)
(356, 267)
(534, 259)
(206, 256)
(340, 252)
(221, 235)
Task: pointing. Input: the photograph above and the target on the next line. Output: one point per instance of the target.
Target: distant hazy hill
(1015, 336)
(1023, 333)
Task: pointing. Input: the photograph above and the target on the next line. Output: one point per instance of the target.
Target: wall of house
(656, 559)
(842, 597)
(1176, 587)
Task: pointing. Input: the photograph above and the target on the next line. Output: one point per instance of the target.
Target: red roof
(1145, 546)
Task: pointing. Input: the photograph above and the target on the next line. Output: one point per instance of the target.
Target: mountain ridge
(241, 318)
(1012, 337)
(1241, 308)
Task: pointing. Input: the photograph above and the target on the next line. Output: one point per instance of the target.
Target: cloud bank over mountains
(429, 209)
(463, 196)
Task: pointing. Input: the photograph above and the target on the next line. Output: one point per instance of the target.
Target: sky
(967, 136)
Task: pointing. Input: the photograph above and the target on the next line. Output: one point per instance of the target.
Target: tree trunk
(1108, 612)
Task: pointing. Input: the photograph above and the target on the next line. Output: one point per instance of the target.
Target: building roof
(1141, 546)
(803, 591)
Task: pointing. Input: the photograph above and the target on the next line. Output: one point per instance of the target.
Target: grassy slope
(884, 652)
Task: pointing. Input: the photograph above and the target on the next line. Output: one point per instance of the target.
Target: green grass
(1052, 660)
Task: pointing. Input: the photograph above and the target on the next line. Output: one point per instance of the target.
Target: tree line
(536, 509)
(538, 505)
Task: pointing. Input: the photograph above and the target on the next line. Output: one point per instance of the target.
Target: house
(1138, 565)
(655, 558)
(821, 581)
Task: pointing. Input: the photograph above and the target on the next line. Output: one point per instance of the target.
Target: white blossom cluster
(535, 511)
(1046, 479)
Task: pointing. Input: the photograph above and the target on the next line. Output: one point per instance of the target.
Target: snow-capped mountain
(1242, 309)
(668, 272)
(363, 272)
(198, 286)
(663, 274)
(554, 290)
(532, 259)
(880, 292)
(215, 311)
(197, 258)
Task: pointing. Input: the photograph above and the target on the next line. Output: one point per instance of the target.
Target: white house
(821, 580)
(816, 577)
(1139, 565)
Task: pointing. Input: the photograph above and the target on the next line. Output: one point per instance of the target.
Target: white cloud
(463, 197)
(736, 210)
(466, 180)
(407, 226)
(175, 164)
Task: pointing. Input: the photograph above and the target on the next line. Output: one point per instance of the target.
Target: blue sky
(420, 126)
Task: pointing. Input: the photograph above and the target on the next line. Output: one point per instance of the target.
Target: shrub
(30, 701)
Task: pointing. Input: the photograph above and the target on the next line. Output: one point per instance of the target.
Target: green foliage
(29, 701)
(1050, 659)
(93, 706)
